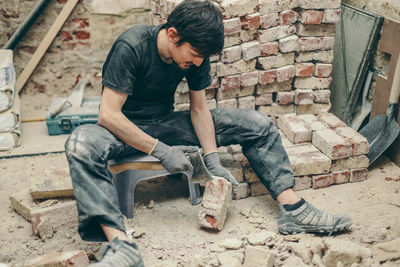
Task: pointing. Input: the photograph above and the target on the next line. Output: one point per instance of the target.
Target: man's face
(185, 56)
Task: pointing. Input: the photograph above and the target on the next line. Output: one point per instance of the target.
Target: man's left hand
(214, 166)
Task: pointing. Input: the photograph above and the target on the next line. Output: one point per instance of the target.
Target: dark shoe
(118, 253)
(308, 219)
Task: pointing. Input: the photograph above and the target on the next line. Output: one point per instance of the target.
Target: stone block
(232, 26)
(231, 54)
(254, 255)
(274, 87)
(318, 56)
(269, 49)
(51, 184)
(241, 191)
(294, 128)
(288, 17)
(323, 70)
(311, 16)
(227, 103)
(319, 4)
(302, 182)
(321, 181)
(340, 177)
(359, 144)
(357, 162)
(215, 205)
(304, 69)
(247, 102)
(329, 142)
(263, 100)
(251, 50)
(285, 73)
(238, 8)
(331, 16)
(258, 189)
(77, 258)
(317, 30)
(275, 33)
(303, 97)
(267, 76)
(277, 61)
(269, 21)
(284, 98)
(251, 21)
(309, 163)
(236, 67)
(358, 175)
(249, 79)
(322, 96)
(229, 83)
(289, 44)
(276, 110)
(312, 83)
(331, 121)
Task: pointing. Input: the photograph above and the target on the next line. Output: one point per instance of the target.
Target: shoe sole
(290, 228)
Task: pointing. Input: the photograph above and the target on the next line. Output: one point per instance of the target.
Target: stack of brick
(277, 56)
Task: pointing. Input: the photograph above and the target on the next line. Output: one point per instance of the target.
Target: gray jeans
(90, 146)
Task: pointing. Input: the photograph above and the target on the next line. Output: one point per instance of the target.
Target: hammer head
(200, 173)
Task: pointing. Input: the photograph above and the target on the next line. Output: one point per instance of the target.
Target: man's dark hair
(198, 22)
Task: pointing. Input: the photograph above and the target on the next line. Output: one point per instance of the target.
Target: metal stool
(129, 171)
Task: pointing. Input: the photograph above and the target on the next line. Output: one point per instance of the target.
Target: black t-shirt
(134, 67)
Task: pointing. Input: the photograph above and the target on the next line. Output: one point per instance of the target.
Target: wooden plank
(117, 168)
(47, 40)
(51, 184)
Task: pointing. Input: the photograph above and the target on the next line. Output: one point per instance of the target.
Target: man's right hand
(173, 158)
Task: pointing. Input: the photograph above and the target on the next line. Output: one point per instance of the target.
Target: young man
(140, 77)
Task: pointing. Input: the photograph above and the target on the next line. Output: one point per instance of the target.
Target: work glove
(214, 166)
(173, 158)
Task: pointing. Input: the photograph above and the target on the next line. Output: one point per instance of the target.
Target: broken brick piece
(77, 258)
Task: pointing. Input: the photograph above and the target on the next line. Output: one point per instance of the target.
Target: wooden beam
(117, 168)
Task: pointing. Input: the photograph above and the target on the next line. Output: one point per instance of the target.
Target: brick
(215, 204)
(331, 16)
(270, 6)
(304, 69)
(263, 100)
(289, 44)
(233, 166)
(269, 49)
(251, 50)
(359, 144)
(251, 21)
(322, 96)
(182, 87)
(257, 254)
(258, 189)
(81, 35)
(331, 121)
(284, 98)
(275, 33)
(311, 17)
(236, 67)
(321, 181)
(340, 177)
(285, 73)
(51, 184)
(317, 30)
(268, 21)
(285, 141)
(312, 83)
(241, 191)
(319, 56)
(232, 26)
(305, 148)
(358, 175)
(277, 61)
(247, 36)
(215, 83)
(231, 54)
(329, 142)
(182, 98)
(231, 40)
(77, 258)
(214, 58)
(211, 104)
(276, 110)
(316, 108)
(319, 4)
(288, 17)
(294, 128)
(302, 182)
(181, 107)
(210, 93)
(312, 122)
(357, 162)
(316, 43)
(213, 67)
(309, 163)
(323, 70)
(326, 43)
(304, 97)
(267, 76)
(227, 103)
(274, 87)
(247, 102)
(230, 82)
(249, 78)
(238, 8)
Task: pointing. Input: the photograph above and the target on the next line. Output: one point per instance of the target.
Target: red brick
(258, 189)
(285, 73)
(66, 36)
(82, 35)
(302, 182)
(265, 99)
(249, 79)
(358, 175)
(83, 23)
(294, 128)
(231, 54)
(251, 50)
(284, 98)
(311, 17)
(211, 104)
(326, 43)
(227, 103)
(331, 144)
(304, 69)
(251, 21)
(267, 76)
(288, 17)
(230, 82)
(232, 26)
(77, 258)
(331, 16)
(323, 70)
(269, 49)
(268, 21)
(180, 107)
(289, 44)
(241, 191)
(304, 97)
(247, 102)
(331, 121)
(340, 177)
(322, 96)
(309, 43)
(321, 181)
(359, 144)
(215, 83)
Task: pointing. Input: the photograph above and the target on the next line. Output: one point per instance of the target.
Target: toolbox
(71, 117)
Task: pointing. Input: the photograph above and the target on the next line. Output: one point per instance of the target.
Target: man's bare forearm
(204, 128)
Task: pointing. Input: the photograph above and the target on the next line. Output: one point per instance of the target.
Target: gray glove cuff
(161, 150)
(212, 159)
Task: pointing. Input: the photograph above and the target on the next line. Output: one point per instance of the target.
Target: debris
(387, 251)
(51, 184)
(344, 251)
(258, 256)
(68, 258)
(45, 229)
(230, 259)
(232, 243)
(263, 237)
